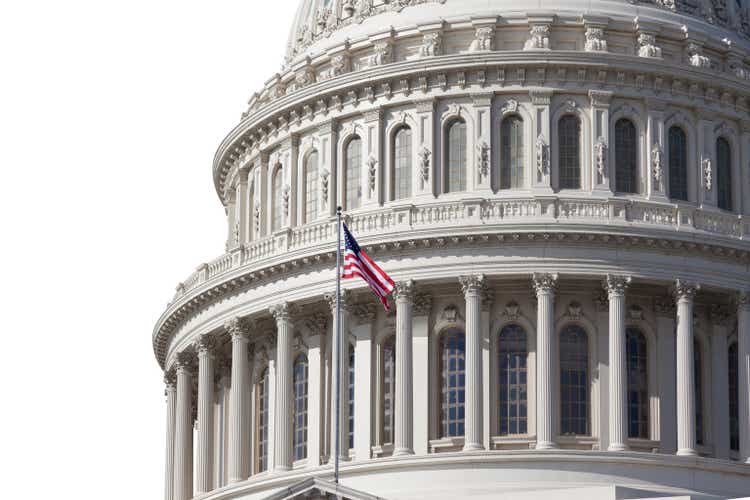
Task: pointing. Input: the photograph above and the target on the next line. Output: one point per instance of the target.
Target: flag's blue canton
(351, 243)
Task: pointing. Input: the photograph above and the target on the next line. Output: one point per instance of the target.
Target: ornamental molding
(405, 291)
(509, 107)
(707, 173)
(538, 38)
(616, 285)
(424, 166)
(483, 159)
(253, 140)
(364, 313)
(686, 290)
(422, 304)
(545, 282)
(431, 45)
(664, 306)
(193, 299)
(600, 155)
(512, 311)
(657, 170)
(451, 314)
(595, 40)
(283, 312)
(484, 40)
(317, 324)
(574, 311)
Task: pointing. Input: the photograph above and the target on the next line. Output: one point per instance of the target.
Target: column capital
(405, 291)
(719, 314)
(170, 380)
(545, 282)
(283, 311)
(238, 328)
(184, 362)
(473, 283)
(685, 290)
(346, 300)
(743, 300)
(205, 345)
(616, 284)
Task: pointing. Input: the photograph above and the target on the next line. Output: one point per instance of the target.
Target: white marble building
(561, 190)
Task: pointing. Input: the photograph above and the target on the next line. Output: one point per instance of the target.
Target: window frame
(398, 156)
(357, 161)
(626, 159)
(579, 152)
(310, 204)
(463, 156)
(508, 170)
(588, 423)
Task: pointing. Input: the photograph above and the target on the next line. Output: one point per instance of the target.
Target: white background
(110, 113)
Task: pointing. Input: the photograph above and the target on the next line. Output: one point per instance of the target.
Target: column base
(400, 452)
(617, 447)
(687, 452)
(545, 445)
(473, 447)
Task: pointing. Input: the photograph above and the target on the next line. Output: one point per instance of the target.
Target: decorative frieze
(595, 40)
(431, 45)
(647, 46)
(538, 38)
(484, 39)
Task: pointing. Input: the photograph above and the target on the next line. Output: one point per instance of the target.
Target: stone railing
(472, 214)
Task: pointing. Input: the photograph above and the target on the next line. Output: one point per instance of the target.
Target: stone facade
(562, 197)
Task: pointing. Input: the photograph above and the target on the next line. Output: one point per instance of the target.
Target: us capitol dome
(560, 189)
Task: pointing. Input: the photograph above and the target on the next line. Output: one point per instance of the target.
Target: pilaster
(316, 370)
(542, 170)
(423, 140)
(657, 171)
(719, 386)
(340, 375)
(421, 371)
(664, 307)
(362, 332)
(242, 207)
(601, 156)
(372, 158)
(480, 176)
(706, 164)
(743, 353)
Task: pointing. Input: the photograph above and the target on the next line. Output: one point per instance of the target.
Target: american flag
(358, 263)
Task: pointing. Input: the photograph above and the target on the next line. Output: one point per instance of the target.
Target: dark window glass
(300, 407)
(569, 145)
(402, 164)
(626, 153)
(389, 388)
(354, 174)
(637, 359)
(512, 373)
(456, 174)
(734, 398)
(311, 187)
(574, 380)
(698, 371)
(724, 173)
(277, 201)
(262, 421)
(511, 143)
(678, 185)
(453, 360)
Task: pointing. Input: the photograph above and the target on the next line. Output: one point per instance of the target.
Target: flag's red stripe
(374, 267)
(351, 269)
(373, 278)
(354, 274)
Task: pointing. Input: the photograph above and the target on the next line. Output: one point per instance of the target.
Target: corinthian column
(282, 313)
(618, 375)
(239, 426)
(743, 354)
(544, 285)
(170, 392)
(472, 287)
(684, 294)
(204, 481)
(340, 375)
(403, 441)
(183, 474)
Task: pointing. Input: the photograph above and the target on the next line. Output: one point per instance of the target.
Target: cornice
(252, 274)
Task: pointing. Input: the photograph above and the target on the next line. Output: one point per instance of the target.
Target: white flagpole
(337, 339)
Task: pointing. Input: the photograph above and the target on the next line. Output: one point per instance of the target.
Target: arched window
(311, 187)
(353, 169)
(569, 147)
(698, 374)
(389, 388)
(300, 407)
(724, 173)
(261, 418)
(626, 154)
(637, 355)
(455, 178)
(574, 380)
(402, 156)
(453, 368)
(511, 148)
(734, 398)
(278, 210)
(351, 396)
(678, 184)
(512, 371)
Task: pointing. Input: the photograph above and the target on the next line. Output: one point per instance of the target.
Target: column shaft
(545, 407)
(239, 443)
(204, 481)
(404, 409)
(183, 477)
(684, 293)
(473, 427)
(618, 375)
(340, 377)
(719, 392)
(283, 421)
(171, 393)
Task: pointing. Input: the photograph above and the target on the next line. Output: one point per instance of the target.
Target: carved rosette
(545, 282)
(422, 304)
(616, 285)
(405, 291)
(238, 328)
(743, 301)
(472, 284)
(664, 306)
(685, 290)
